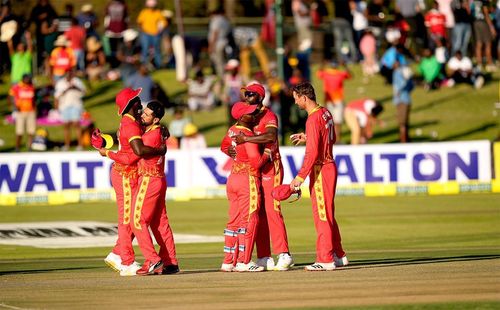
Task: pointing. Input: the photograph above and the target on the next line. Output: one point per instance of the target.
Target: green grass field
(414, 252)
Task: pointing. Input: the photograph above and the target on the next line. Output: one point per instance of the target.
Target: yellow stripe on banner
(8, 200)
(496, 159)
(495, 186)
(254, 195)
(140, 201)
(448, 188)
(320, 195)
(66, 196)
(276, 182)
(373, 190)
(127, 199)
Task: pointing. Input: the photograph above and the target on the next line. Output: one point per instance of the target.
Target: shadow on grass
(470, 131)
(389, 262)
(435, 102)
(32, 271)
(395, 130)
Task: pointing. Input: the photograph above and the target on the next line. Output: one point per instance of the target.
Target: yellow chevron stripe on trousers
(254, 195)
(320, 197)
(127, 199)
(140, 201)
(277, 181)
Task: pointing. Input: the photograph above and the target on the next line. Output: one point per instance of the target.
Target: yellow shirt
(151, 21)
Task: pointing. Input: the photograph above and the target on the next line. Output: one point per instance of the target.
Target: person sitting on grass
(430, 69)
(460, 70)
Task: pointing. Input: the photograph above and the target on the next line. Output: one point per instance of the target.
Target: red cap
(241, 108)
(283, 192)
(256, 88)
(124, 97)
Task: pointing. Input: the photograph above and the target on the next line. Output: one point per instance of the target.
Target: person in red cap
(320, 166)
(243, 193)
(124, 177)
(271, 222)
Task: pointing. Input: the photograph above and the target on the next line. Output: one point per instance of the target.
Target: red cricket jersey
(320, 134)
(248, 157)
(125, 159)
(436, 22)
(153, 166)
(268, 119)
(24, 96)
(333, 83)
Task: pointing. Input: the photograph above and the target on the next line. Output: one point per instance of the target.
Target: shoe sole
(112, 266)
(157, 271)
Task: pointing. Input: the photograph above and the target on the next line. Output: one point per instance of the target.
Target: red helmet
(283, 192)
(256, 88)
(242, 108)
(124, 98)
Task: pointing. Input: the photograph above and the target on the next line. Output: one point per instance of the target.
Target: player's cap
(283, 192)
(256, 88)
(124, 98)
(242, 108)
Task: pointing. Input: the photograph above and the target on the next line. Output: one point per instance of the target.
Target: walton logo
(219, 171)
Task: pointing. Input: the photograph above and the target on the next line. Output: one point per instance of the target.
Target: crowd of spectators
(448, 42)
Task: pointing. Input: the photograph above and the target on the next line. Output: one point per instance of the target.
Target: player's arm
(143, 150)
(256, 158)
(119, 157)
(312, 133)
(270, 136)
(226, 145)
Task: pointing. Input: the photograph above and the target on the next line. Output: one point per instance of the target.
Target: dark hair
(305, 89)
(377, 109)
(131, 103)
(157, 108)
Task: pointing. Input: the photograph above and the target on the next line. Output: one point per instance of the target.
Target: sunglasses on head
(250, 94)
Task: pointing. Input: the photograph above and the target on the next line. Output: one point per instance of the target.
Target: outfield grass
(448, 114)
(414, 252)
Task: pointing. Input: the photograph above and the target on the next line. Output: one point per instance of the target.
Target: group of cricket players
(255, 217)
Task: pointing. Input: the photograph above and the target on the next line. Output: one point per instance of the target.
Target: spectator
(247, 39)
(49, 32)
(96, 60)
(391, 55)
(359, 21)
(402, 87)
(177, 125)
(219, 29)
(76, 36)
(151, 23)
(42, 12)
(360, 116)
(9, 29)
(333, 86)
(342, 32)
(368, 48)
(484, 32)
(142, 79)
(88, 20)
(68, 95)
(460, 70)
(23, 94)
(233, 82)
(64, 20)
(192, 139)
(115, 22)
(435, 21)
(411, 11)
(128, 54)
(430, 69)
(200, 92)
(62, 59)
(446, 10)
(20, 58)
(302, 21)
(376, 19)
(462, 31)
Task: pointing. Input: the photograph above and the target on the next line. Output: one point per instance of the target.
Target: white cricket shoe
(226, 267)
(266, 262)
(320, 267)
(340, 262)
(285, 261)
(130, 270)
(250, 267)
(114, 261)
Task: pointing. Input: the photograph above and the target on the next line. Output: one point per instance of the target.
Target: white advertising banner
(363, 164)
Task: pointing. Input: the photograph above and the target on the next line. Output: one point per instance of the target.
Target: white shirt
(193, 143)
(72, 97)
(465, 64)
(445, 8)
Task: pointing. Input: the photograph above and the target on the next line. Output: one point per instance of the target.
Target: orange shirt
(333, 83)
(62, 60)
(24, 96)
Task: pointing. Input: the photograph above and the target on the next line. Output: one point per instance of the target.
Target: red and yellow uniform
(271, 223)
(24, 96)
(62, 59)
(149, 205)
(322, 170)
(244, 198)
(124, 180)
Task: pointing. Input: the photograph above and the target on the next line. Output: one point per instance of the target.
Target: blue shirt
(401, 87)
(390, 56)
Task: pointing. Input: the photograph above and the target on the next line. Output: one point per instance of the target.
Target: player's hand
(162, 149)
(232, 151)
(239, 138)
(298, 138)
(165, 133)
(102, 151)
(295, 185)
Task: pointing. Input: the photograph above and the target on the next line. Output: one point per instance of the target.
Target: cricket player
(124, 177)
(243, 193)
(320, 166)
(271, 223)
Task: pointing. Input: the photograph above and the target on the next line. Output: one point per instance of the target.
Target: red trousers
(149, 212)
(323, 182)
(125, 189)
(244, 203)
(271, 224)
